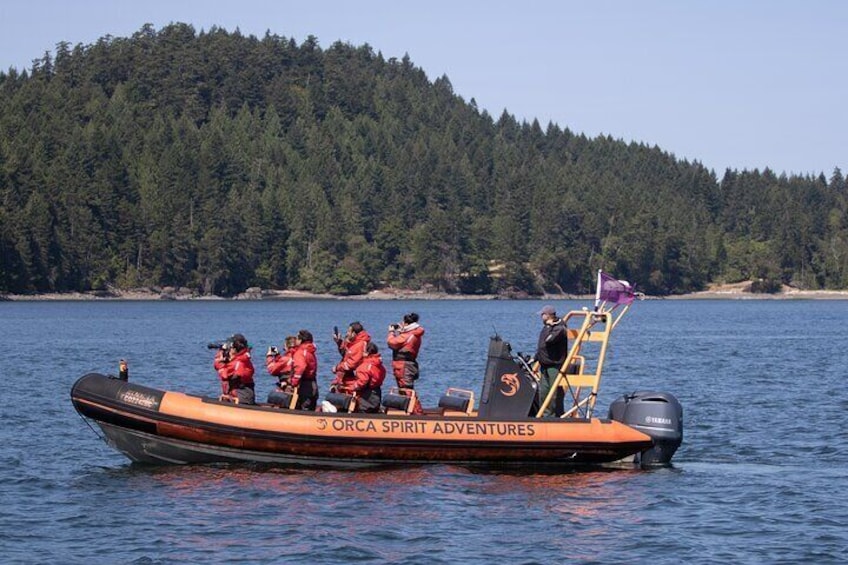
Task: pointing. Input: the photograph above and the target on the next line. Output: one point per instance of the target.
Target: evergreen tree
(219, 161)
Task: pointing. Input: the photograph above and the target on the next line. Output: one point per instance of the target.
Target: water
(761, 476)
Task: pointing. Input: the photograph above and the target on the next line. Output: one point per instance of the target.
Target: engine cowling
(657, 414)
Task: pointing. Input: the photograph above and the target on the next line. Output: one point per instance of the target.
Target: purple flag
(613, 290)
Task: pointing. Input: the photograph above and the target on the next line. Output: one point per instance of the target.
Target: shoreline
(725, 292)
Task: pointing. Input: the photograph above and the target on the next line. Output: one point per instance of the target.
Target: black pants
(307, 394)
(369, 400)
(244, 394)
(549, 375)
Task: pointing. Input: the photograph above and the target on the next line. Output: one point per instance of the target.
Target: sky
(738, 84)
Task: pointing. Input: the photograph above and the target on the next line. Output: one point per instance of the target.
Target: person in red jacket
(405, 342)
(370, 374)
(352, 350)
(235, 369)
(282, 365)
(305, 372)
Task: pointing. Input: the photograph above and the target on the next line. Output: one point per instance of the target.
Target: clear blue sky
(730, 83)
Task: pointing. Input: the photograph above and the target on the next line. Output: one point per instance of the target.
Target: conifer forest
(217, 162)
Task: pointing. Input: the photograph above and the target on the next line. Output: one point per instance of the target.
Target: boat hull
(153, 426)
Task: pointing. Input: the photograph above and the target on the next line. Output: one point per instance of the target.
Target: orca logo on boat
(510, 380)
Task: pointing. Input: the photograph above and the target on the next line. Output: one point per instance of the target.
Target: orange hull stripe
(400, 428)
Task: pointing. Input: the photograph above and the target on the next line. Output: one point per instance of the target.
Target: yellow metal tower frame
(580, 374)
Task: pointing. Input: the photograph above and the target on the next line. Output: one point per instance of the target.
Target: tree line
(218, 161)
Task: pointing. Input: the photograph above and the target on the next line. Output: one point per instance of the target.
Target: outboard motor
(657, 414)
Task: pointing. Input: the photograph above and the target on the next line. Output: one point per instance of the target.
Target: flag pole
(598, 292)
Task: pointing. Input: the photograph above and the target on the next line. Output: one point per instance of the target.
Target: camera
(272, 351)
(394, 327)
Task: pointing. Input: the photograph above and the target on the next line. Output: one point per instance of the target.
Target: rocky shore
(742, 291)
(739, 291)
(255, 293)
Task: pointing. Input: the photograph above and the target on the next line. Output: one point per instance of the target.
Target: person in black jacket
(551, 353)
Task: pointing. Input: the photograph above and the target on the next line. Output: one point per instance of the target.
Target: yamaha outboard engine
(657, 414)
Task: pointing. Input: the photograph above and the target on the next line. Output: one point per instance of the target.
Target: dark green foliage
(219, 162)
(765, 286)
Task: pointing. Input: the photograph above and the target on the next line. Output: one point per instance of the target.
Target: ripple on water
(759, 478)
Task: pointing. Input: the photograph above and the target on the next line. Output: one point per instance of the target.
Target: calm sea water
(761, 477)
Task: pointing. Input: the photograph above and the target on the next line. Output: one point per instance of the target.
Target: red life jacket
(354, 351)
(370, 373)
(406, 343)
(305, 365)
(238, 365)
(242, 367)
(281, 365)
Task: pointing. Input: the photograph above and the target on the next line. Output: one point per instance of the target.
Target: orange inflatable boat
(504, 427)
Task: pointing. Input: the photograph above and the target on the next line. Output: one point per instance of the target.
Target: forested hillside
(218, 162)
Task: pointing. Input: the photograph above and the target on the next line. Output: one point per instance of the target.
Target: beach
(739, 291)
